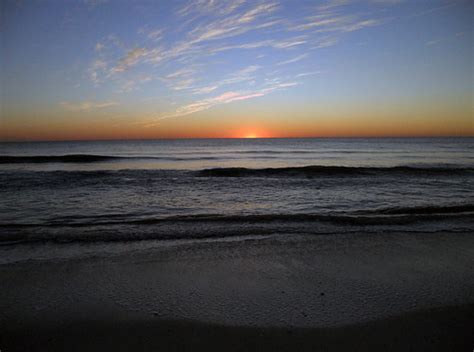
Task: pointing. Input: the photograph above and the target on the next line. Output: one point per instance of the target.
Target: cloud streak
(293, 60)
(86, 106)
(192, 59)
(224, 98)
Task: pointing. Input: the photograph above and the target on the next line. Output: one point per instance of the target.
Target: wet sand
(441, 329)
(360, 292)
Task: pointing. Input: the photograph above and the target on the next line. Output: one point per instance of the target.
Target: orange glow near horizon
(303, 130)
(229, 69)
(252, 132)
(304, 123)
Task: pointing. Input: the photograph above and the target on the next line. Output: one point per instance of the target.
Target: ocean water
(89, 197)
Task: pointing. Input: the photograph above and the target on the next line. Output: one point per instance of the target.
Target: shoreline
(356, 292)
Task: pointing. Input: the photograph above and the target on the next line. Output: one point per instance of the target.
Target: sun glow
(252, 132)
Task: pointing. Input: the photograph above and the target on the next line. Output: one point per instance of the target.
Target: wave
(88, 158)
(428, 209)
(70, 158)
(385, 216)
(319, 170)
(237, 226)
(130, 227)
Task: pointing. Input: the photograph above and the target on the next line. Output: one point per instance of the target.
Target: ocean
(75, 199)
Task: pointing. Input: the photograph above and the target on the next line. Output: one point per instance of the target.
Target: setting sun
(251, 135)
(251, 132)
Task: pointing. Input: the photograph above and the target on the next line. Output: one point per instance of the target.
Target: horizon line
(246, 138)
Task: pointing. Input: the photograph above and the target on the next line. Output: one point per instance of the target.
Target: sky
(104, 69)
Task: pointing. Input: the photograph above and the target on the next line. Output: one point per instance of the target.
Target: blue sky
(142, 63)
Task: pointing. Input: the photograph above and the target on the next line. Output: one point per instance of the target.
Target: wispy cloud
(86, 106)
(444, 39)
(326, 42)
(134, 83)
(433, 42)
(208, 103)
(205, 90)
(234, 25)
(224, 98)
(191, 59)
(131, 58)
(336, 23)
(295, 59)
(245, 74)
(272, 43)
(156, 34)
(306, 74)
(194, 7)
(332, 4)
(95, 70)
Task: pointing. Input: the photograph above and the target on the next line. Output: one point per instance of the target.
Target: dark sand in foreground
(395, 292)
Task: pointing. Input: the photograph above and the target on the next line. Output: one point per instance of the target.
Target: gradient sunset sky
(99, 69)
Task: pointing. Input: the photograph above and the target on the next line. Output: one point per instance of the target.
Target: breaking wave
(318, 170)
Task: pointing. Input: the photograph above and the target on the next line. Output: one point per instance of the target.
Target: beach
(236, 175)
(360, 292)
(237, 245)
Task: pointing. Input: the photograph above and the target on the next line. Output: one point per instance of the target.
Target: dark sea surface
(101, 197)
